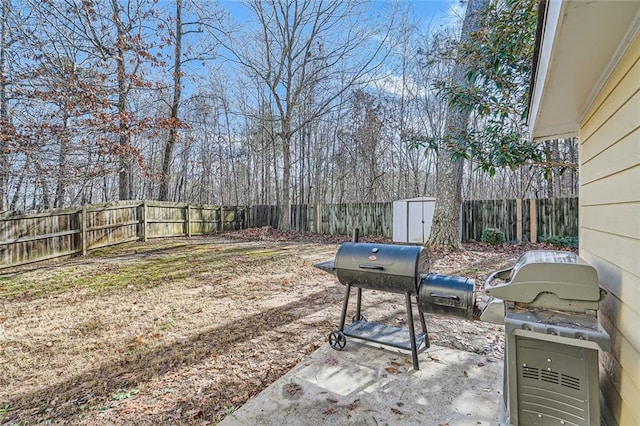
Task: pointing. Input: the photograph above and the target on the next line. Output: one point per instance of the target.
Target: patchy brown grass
(184, 331)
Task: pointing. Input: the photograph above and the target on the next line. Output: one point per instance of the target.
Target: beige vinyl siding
(610, 227)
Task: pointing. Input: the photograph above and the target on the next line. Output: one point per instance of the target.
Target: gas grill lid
(387, 267)
(548, 279)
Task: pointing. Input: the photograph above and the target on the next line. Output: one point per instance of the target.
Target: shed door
(420, 217)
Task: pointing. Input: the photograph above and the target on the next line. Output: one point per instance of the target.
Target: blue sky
(427, 14)
(436, 10)
(428, 11)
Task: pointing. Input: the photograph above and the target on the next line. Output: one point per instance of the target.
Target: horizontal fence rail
(46, 235)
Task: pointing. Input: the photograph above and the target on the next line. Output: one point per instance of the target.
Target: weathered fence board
(481, 214)
(110, 224)
(38, 236)
(264, 215)
(558, 216)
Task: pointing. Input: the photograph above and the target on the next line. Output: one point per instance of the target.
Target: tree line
(298, 102)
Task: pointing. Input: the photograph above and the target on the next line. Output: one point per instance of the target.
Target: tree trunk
(445, 231)
(124, 174)
(175, 105)
(285, 217)
(548, 168)
(4, 108)
(62, 178)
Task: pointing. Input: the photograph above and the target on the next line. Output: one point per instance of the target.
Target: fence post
(519, 220)
(188, 213)
(220, 224)
(143, 228)
(318, 219)
(83, 229)
(533, 220)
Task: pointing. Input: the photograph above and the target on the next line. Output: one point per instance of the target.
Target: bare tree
(185, 28)
(177, 33)
(5, 122)
(296, 48)
(113, 35)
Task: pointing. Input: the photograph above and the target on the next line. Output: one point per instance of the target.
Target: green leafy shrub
(492, 236)
(560, 241)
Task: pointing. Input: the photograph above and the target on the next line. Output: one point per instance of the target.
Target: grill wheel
(337, 340)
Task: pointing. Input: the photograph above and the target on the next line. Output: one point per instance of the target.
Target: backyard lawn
(184, 331)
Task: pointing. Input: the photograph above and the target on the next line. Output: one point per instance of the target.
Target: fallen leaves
(391, 370)
(331, 360)
(293, 388)
(352, 406)
(434, 358)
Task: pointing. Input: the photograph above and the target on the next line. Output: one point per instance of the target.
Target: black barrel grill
(402, 269)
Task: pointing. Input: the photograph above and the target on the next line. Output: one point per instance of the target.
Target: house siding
(610, 228)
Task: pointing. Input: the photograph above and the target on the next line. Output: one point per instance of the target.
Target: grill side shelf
(327, 266)
(396, 337)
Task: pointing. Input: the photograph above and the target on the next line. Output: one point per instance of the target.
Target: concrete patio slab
(365, 385)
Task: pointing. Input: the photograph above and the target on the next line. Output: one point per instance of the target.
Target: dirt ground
(184, 331)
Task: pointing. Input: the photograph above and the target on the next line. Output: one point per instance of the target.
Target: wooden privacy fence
(331, 219)
(521, 220)
(41, 236)
(46, 235)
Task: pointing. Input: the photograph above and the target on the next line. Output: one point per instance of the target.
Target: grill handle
(502, 275)
(445, 296)
(375, 267)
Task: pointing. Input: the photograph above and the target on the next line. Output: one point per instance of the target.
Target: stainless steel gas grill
(548, 302)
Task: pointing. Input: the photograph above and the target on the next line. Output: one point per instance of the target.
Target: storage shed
(412, 219)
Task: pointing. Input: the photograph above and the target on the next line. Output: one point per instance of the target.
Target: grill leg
(345, 302)
(359, 304)
(412, 331)
(424, 329)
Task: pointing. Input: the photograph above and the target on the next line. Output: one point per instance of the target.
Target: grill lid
(388, 267)
(548, 279)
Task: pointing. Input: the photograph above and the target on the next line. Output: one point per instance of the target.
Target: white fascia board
(551, 21)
